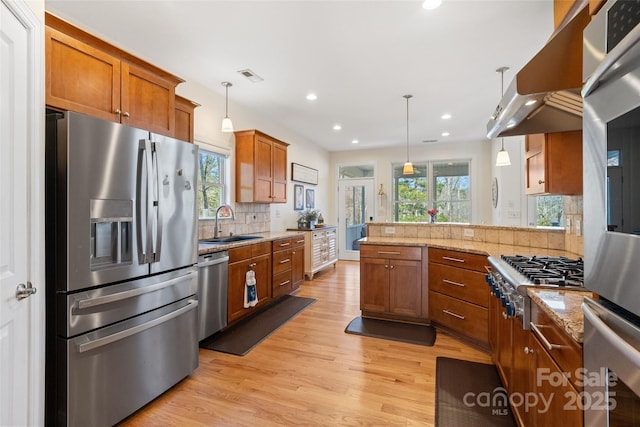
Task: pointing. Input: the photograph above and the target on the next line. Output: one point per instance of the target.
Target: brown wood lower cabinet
(458, 293)
(256, 257)
(391, 282)
(537, 367)
(297, 265)
(282, 266)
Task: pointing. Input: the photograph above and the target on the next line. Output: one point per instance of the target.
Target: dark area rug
(470, 394)
(240, 338)
(390, 330)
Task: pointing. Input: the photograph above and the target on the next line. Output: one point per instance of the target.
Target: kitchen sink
(229, 239)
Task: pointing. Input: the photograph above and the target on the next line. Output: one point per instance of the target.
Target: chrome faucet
(227, 208)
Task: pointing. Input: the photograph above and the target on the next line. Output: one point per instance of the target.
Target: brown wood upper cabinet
(261, 168)
(184, 118)
(553, 163)
(87, 75)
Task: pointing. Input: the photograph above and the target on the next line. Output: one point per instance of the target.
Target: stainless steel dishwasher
(212, 293)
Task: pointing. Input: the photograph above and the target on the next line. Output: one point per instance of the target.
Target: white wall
(512, 209)
(208, 118)
(479, 152)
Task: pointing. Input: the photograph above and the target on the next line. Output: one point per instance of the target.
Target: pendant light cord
(407, 97)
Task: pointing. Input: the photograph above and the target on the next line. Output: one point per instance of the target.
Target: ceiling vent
(253, 77)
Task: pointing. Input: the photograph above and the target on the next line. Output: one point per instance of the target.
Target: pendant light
(407, 169)
(503, 155)
(227, 126)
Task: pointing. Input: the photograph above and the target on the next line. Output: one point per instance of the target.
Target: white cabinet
(320, 250)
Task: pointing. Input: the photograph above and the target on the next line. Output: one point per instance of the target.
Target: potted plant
(308, 218)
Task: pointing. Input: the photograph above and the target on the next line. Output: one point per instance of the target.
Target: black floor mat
(470, 394)
(240, 338)
(390, 330)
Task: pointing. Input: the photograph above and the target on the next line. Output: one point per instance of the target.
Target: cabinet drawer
(317, 235)
(281, 261)
(297, 241)
(391, 252)
(459, 283)
(568, 353)
(467, 319)
(281, 283)
(281, 244)
(458, 259)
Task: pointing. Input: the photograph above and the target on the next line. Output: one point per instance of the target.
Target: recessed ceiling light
(445, 116)
(431, 4)
(355, 141)
(337, 126)
(312, 97)
(445, 134)
(530, 102)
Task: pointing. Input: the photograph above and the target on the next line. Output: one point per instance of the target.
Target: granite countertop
(563, 306)
(206, 248)
(480, 248)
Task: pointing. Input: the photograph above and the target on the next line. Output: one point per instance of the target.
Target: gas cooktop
(546, 270)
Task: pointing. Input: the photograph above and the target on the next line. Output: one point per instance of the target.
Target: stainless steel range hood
(545, 95)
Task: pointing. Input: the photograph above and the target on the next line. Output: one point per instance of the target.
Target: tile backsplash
(248, 218)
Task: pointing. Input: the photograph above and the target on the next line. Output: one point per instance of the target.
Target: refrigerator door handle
(158, 186)
(106, 299)
(144, 183)
(101, 342)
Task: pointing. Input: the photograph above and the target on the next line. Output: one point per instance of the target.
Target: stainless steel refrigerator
(121, 268)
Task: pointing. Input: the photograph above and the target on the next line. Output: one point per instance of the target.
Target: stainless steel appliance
(212, 293)
(512, 275)
(612, 154)
(121, 268)
(611, 349)
(611, 157)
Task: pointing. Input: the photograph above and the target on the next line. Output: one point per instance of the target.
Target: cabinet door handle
(540, 181)
(284, 283)
(284, 244)
(450, 313)
(388, 253)
(118, 112)
(284, 261)
(448, 258)
(126, 114)
(300, 241)
(252, 265)
(391, 266)
(450, 282)
(386, 266)
(545, 341)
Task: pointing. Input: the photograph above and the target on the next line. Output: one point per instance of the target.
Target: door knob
(24, 291)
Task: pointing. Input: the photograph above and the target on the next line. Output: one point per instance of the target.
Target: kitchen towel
(250, 292)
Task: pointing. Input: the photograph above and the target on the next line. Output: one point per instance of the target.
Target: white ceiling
(359, 57)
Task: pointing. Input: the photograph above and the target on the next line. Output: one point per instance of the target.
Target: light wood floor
(311, 373)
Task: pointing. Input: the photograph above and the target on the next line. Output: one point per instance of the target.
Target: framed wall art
(298, 197)
(310, 202)
(305, 174)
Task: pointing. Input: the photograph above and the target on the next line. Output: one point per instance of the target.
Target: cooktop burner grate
(559, 271)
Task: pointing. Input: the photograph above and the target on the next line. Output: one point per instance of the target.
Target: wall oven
(611, 156)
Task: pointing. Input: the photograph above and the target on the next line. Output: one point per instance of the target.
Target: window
(410, 194)
(452, 191)
(444, 186)
(211, 183)
(549, 211)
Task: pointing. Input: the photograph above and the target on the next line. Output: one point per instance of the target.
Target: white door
(355, 207)
(21, 237)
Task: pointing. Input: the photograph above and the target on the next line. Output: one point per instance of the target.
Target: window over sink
(212, 182)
